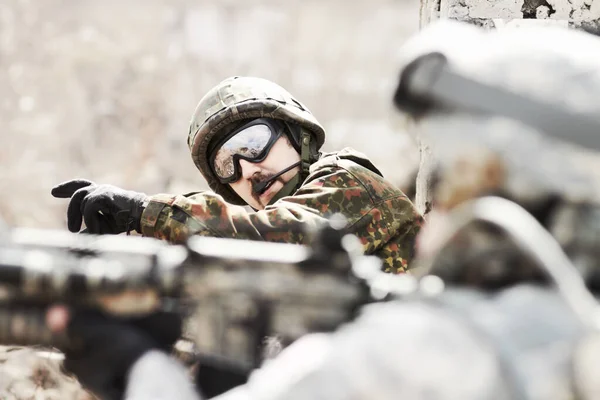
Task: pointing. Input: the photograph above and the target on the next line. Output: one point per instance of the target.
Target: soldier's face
(281, 156)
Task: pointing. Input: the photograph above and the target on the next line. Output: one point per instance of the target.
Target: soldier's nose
(248, 169)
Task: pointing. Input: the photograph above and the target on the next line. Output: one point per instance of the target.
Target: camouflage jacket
(345, 182)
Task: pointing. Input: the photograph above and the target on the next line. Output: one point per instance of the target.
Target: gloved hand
(106, 209)
(111, 347)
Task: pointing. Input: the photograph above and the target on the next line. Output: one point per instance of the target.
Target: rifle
(234, 292)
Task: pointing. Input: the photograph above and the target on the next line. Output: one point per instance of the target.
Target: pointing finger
(67, 189)
(74, 212)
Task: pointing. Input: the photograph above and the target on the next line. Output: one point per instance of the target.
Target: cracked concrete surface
(579, 14)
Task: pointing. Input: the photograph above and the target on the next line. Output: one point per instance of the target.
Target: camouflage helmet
(241, 98)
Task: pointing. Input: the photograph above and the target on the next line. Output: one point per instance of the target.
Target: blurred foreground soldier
(515, 128)
(453, 346)
(517, 119)
(258, 146)
(124, 359)
(494, 106)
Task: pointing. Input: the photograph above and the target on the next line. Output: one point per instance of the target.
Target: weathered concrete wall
(584, 14)
(105, 90)
(498, 14)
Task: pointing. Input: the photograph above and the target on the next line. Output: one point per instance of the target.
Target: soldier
(257, 145)
(515, 340)
(497, 129)
(492, 104)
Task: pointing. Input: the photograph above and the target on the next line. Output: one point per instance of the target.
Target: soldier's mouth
(267, 192)
(266, 189)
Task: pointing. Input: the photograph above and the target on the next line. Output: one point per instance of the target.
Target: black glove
(106, 209)
(111, 346)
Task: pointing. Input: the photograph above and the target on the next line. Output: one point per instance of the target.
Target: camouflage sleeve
(390, 228)
(379, 217)
(174, 218)
(399, 252)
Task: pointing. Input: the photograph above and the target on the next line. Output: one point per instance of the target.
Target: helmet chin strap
(292, 185)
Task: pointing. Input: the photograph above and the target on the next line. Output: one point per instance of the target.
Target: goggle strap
(305, 161)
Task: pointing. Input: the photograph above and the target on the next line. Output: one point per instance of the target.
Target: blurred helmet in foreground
(511, 113)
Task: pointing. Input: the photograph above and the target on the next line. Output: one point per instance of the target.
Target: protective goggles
(250, 142)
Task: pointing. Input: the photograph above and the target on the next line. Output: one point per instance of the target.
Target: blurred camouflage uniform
(478, 153)
(343, 182)
(459, 339)
(494, 329)
(460, 345)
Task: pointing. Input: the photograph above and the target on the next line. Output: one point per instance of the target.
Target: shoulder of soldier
(350, 168)
(347, 158)
(412, 347)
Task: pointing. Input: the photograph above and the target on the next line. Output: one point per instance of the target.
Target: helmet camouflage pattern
(236, 99)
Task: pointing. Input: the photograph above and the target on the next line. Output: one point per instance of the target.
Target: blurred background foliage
(105, 90)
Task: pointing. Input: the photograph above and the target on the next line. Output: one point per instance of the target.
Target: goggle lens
(248, 143)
